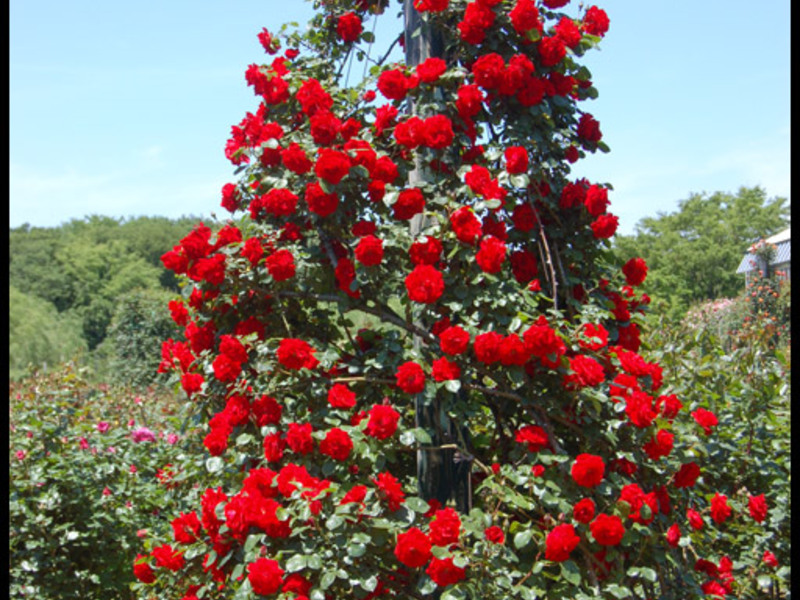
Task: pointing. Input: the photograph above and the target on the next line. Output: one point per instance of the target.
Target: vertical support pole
(442, 474)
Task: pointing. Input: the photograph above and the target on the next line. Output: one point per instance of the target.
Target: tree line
(68, 284)
(96, 287)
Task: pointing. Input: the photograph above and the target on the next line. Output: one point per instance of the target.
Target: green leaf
(618, 591)
(334, 522)
(296, 563)
(417, 504)
(571, 572)
(215, 464)
(522, 538)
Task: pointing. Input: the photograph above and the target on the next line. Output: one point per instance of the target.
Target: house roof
(783, 244)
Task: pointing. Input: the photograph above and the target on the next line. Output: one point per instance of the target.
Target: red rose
(369, 251)
(477, 19)
(410, 377)
(583, 511)
(437, 132)
(345, 273)
(488, 70)
(252, 250)
(186, 528)
(384, 170)
(516, 160)
(639, 409)
(605, 226)
(466, 225)
(266, 410)
(588, 469)
(560, 542)
(660, 445)
(296, 354)
(551, 51)
(595, 21)
(469, 101)
(720, 510)
(325, 128)
(410, 133)
(278, 202)
(409, 202)
(142, 570)
(586, 372)
(169, 558)
(673, 535)
(340, 396)
(512, 351)
(524, 217)
(226, 369)
(336, 444)
(391, 490)
(280, 265)
(705, 418)
(543, 342)
(495, 535)
(382, 421)
(273, 445)
(687, 475)
(332, 165)
(393, 84)
(454, 340)
(444, 370)
(444, 572)
(431, 69)
(487, 347)
(672, 406)
(532, 435)
(769, 559)
(425, 252)
(413, 548)
(491, 254)
(524, 17)
(230, 197)
(607, 530)
(568, 32)
(757, 505)
(349, 27)
(298, 438)
(635, 271)
(424, 284)
(294, 158)
(695, 519)
(589, 128)
(596, 200)
(431, 5)
(319, 202)
(445, 527)
(265, 576)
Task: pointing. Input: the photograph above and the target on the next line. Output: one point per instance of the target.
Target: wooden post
(442, 474)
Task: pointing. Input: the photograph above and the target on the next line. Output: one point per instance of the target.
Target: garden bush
(89, 474)
(504, 433)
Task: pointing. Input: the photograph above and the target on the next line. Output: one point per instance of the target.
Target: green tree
(141, 321)
(39, 334)
(692, 253)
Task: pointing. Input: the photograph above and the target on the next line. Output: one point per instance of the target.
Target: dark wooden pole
(443, 475)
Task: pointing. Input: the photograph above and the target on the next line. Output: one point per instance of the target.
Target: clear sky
(123, 108)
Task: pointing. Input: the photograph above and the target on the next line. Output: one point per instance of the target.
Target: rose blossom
(143, 434)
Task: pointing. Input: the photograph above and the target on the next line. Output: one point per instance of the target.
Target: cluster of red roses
(324, 206)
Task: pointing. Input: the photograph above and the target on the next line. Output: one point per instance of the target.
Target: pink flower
(143, 434)
(172, 438)
(102, 426)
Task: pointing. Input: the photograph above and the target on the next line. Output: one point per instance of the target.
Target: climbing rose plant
(416, 242)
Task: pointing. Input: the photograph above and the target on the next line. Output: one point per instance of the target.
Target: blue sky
(123, 108)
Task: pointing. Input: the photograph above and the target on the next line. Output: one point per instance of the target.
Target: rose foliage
(415, 243)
